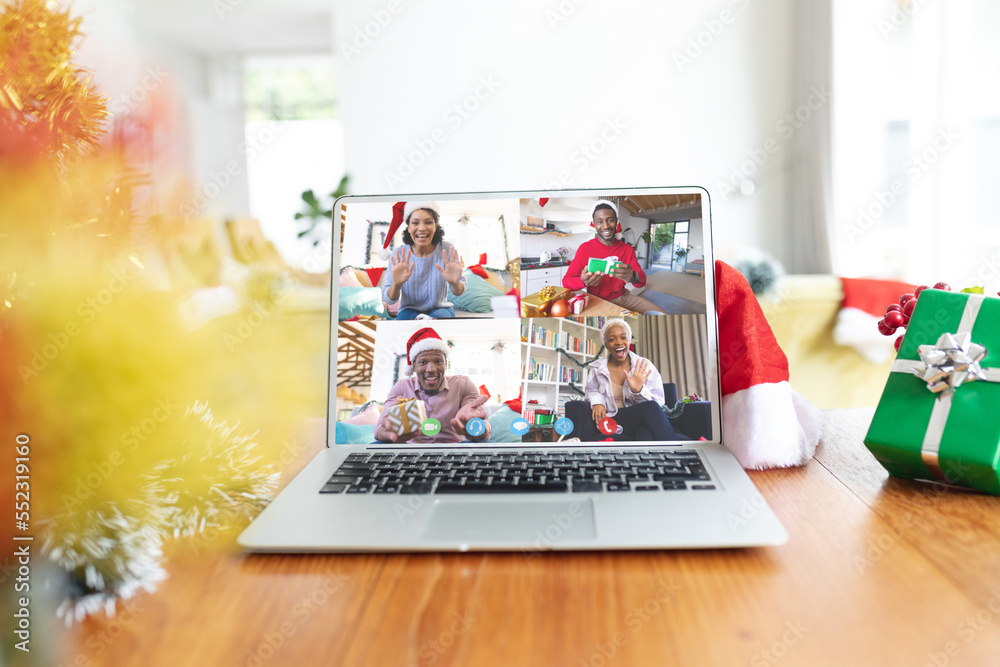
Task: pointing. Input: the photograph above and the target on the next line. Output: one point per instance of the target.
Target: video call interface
(544, 320)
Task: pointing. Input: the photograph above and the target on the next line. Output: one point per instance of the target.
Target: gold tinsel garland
(96, 366)
(46, 102)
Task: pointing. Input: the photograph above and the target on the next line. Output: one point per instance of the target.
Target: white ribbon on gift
(931, 446)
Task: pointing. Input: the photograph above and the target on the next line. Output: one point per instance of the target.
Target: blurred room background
(172, 290)
(840, 138)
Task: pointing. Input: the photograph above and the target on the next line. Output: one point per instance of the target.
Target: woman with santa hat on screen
(628, 388)
(421, 270)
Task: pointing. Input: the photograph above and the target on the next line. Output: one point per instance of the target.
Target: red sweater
(609, 288)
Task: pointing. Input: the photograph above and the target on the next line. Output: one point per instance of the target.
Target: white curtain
(678, 347)
(810, 192)
(917, 134)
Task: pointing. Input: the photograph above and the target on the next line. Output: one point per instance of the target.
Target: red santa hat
(421, 341)
(614, 207)
(766, 423)
(401, 211)
(479, 269)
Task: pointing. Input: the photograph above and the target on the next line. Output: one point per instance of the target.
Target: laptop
(521, 371)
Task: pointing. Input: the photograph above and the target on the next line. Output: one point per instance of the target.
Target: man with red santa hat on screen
(451, 399)
(609, 286)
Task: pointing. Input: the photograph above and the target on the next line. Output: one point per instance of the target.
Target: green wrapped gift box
(605, 265)
(952, 435)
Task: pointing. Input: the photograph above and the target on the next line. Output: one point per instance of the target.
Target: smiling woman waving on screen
(422, 270)
(627, 387)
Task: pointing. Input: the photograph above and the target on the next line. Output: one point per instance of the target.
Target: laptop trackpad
(543, 523)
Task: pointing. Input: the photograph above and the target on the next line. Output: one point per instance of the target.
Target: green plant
(681, 253)
(645, 236)
(662, 237)
(315, 212)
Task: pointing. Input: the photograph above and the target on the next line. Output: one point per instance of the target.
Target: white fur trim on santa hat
(770, 425)
(412, 206)
(603, 202)
(423, 345)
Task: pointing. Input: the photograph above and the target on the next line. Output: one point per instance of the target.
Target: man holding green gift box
(615, 263)
(938, 418)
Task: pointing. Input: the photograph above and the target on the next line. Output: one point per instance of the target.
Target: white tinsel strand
(108, 555)
(111, 554)
(228, 477)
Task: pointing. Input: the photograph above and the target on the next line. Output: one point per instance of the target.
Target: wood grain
(811, 601)
(240, 610)
(874, 574)
(597, 306)
(957, 529)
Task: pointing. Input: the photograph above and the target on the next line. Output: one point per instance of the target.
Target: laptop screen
(532, 317)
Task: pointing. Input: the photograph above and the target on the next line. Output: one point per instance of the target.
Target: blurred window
(916, 135)
(295, 142)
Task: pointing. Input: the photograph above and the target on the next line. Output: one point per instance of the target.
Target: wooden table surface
(877, 571)
(597, 306)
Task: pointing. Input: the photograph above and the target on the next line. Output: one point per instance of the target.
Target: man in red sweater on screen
(609, 286)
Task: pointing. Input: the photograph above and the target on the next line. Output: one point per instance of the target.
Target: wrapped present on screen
(938, 418)
(602, 265)
(405, 415)
(578, 303)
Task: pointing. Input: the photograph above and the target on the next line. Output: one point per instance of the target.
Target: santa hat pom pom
(384, 254)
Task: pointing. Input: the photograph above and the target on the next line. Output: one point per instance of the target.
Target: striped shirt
(425, 289)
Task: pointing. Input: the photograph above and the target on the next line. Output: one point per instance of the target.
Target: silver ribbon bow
(954, 360)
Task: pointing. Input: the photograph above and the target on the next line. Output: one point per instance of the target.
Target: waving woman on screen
(422, 270)
(627, 387)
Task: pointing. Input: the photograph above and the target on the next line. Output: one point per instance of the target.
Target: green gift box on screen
(938, 418)
(605, 265)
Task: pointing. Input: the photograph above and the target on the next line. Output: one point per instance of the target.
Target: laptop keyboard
(521, 472)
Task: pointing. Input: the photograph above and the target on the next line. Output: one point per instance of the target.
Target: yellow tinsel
(44, 98)
(98, 370)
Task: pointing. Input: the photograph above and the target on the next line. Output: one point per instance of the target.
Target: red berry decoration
(897, 315)
(893, 319)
